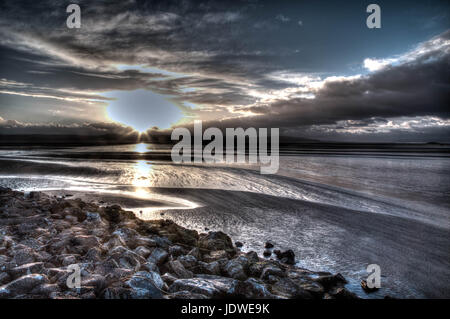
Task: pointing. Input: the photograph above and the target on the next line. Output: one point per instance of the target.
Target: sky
(311, 68)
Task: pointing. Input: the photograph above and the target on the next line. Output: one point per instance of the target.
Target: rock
(267, 253)
(158, 256)
(128, 236)
(93, 255)
(329, 281)
(367, 288)
(178, 234)
(195, 252)
(116, 293)
(177, 268)
(113, 214)
(22, 285)
(287, 257)
(314, 288)
(142, 251)
(215, 255)
(71, 219)
(271, 270)
(188, 261)
(287, 288)
(212, 268)
(176, 251)
(252, 257)
(268, 245)
(93, 217)
(186, 295)
(145, 242)
(168, 278)
(126, 258)
(23, 256)
(69, 260)
(83, 243)
(210, 286)
(98, 282)
(4, 278)
(88, 295)
(342, 293)
(145, 285)
(215, 241)
(46, 290)
(27, 269)
(150, 266)
(250, 289)
(162, 242)
(235, 269)
(238, 244)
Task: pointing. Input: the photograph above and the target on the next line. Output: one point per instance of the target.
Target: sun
(142, 109)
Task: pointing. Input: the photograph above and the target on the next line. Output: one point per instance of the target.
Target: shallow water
(339, 211)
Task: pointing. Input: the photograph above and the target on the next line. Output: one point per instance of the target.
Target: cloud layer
(210, 60)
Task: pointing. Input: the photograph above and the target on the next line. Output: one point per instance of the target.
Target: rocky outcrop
(42, 239)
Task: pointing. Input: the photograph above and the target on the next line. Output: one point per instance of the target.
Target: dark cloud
(213, 60)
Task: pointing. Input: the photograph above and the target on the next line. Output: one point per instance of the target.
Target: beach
(47, 240)
(338, 213)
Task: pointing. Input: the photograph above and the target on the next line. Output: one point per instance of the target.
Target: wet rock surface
(120, 256)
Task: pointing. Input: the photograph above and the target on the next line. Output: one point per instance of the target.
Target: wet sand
(413, 256)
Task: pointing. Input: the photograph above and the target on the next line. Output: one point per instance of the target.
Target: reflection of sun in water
(142, 172)
(141, 148)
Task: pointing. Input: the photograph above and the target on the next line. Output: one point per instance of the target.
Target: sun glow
(141, 148)
(142, 174)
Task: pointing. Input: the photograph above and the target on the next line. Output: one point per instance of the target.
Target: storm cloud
(229, 64)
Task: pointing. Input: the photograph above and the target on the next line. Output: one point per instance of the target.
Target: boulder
(287, 288)
(145, 285)
(215, 255)
(116, 293)
(24, 255)
(158, 256)
(4, 278)
(195, 252)
(178, 234)
(128, 236)
(177, 268)
(186, 295)
(268, 245)
(81, 244)
(177, 250)
(271, 270)
(235, 269)
(212, 268)
(287, 257)
(342, 293)
(46, 290)
(366, 288)
(168, 278)
(22, 285)
(215, 241)
(188, 261)
(142, 251)
(252, 257)
(150, 266)
(210, 286)
(126, 258)
(329, 281)
(249, 289)
(27, 269)
(98, 282)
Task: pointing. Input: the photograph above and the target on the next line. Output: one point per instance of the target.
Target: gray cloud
(221, 73)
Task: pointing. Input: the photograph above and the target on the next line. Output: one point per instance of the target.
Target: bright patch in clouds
(377, 64)
(143, 109)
